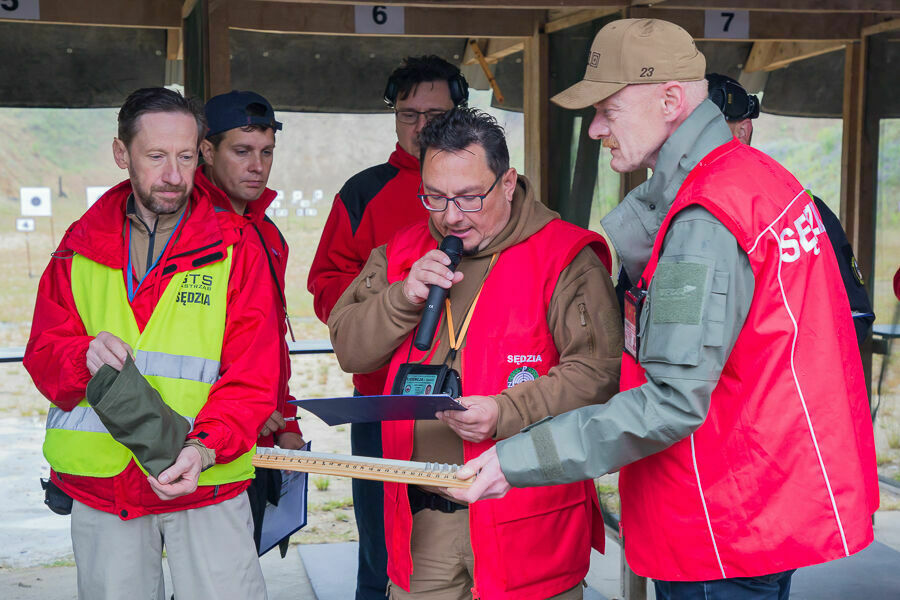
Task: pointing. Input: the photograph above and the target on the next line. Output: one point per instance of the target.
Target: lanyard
(130, 278)
(455, 343)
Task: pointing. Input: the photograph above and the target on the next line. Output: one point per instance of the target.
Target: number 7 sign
(727, 25)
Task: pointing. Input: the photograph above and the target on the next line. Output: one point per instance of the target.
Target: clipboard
(371, 409)
(289, 515)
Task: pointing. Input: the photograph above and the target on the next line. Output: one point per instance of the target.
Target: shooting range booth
(812, 58)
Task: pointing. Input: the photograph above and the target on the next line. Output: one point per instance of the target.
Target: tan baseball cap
(634, 51)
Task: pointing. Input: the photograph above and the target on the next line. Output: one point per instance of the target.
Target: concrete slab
(331, 569)
(872, 573)
(285, 579)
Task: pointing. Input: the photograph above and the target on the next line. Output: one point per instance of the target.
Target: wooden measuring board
(360, 467)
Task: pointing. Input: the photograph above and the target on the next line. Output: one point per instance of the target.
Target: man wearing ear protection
(739, 109)
(368, 210)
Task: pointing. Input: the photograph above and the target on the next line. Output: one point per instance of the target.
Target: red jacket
(535, 542)
(371, 207)
(275, 261)
(238, 403)
(781, 474)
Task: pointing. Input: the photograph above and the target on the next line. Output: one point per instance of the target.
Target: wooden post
(629, 181)
(536, 108)
(633, 586)
(219, 51)
(859, 165)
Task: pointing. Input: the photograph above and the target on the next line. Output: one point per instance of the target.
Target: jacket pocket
(544, 533)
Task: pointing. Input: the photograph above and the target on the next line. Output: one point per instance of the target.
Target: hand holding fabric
(181, 478)
(107, 349)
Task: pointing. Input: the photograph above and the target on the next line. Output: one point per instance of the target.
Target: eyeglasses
(465, 203)
(411, 117)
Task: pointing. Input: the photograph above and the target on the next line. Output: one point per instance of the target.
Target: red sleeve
(56, 353)
(337, 261)
(246, 392)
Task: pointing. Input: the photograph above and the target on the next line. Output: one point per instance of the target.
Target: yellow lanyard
(454, 343)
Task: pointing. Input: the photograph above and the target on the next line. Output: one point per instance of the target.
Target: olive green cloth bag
(136, 416)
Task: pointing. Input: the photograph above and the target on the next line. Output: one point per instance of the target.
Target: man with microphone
(530, 328)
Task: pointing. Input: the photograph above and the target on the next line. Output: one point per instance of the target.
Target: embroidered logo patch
(521, 375)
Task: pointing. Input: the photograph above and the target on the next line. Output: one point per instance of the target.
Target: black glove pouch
(56, 499)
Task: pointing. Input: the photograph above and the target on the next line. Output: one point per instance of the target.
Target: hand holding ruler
(361, 467)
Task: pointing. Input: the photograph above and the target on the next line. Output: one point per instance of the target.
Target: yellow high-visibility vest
(178, 352)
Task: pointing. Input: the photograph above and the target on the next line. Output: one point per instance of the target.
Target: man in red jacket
(237, 153)
(369, 209)
(154, 272)
(742, 430)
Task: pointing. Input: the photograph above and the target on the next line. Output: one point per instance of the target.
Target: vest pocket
(543, 533)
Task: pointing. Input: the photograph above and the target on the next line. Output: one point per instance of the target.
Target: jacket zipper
(586, 323)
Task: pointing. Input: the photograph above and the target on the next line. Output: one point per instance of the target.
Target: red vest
(782, 473)
(535, 542)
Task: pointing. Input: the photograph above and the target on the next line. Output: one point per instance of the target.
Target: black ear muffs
(732, 99)
(459, 90)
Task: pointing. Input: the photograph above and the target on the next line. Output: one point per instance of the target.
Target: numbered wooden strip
(339, 465)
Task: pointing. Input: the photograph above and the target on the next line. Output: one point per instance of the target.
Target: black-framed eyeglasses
(411, 117)
(465, 203)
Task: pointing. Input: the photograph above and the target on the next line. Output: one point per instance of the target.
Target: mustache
(168, 188)
(610, 143)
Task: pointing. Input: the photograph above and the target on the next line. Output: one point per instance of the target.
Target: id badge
(415, 379)
(634, 304)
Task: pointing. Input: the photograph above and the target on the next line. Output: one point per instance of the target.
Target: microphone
(452, 246)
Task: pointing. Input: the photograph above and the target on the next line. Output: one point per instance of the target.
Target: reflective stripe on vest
(177, 366)
(80, 418)
(178, 352)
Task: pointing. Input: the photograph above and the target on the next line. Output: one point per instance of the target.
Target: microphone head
(452, 246)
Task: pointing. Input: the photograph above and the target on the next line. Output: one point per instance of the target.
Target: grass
(339, 504)
(894, 439)
(321, 483)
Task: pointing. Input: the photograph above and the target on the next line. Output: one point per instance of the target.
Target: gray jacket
(684, 341)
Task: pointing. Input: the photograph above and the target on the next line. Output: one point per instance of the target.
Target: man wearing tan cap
(742, 431)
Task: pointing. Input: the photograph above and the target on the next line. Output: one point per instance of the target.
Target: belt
(419, 499)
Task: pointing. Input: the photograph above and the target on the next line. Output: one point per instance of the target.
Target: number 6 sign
(377, 19)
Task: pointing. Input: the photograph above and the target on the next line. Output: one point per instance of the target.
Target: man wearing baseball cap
(742, 429)
(238, 152)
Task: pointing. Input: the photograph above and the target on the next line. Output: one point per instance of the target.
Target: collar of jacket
(632, 226)
(402, 159)
(256, 210)
(98, 234)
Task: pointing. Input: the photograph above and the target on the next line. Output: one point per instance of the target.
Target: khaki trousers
(443, 563)
(210, 552)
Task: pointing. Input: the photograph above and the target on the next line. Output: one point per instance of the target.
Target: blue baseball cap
(238, 109)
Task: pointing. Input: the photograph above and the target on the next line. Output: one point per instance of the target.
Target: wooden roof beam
(493, 49)
(481, 4)
(338, 19)
(816, 6)
(577, 18)
(164, 14)
(787, 27)
(768, 56)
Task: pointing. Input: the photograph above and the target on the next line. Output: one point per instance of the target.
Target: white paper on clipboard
(290, 514)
